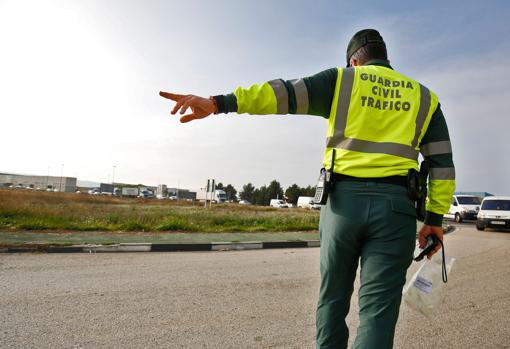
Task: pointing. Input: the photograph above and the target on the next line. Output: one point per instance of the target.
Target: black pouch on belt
(417, 188)
(324, 184)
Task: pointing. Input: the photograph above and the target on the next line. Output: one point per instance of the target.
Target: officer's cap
(363, 38)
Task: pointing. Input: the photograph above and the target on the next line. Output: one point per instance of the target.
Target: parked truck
(130, 192)
(106, 188)
(216, 196)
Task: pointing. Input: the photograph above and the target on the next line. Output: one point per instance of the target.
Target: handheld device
(432, 242)
(321, 191)
(324, 183)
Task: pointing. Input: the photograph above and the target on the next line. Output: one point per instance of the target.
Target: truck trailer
(130, 192)
(216, 196)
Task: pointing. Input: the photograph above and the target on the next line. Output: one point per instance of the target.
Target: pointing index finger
(172, 96)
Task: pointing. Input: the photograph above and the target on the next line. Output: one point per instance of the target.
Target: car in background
(244, 202)
(464, 207)
(94, 191)
(145, 194)
(494, 213)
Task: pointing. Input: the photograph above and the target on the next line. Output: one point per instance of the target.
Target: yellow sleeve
(258, 99)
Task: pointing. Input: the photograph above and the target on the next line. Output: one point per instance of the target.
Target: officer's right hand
(200, 107)
(430, 230)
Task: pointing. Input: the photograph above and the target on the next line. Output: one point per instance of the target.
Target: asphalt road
(238, 299)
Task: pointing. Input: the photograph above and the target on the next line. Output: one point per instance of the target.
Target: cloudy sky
(79, 83)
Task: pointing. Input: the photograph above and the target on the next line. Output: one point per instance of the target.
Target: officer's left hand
(430, 230)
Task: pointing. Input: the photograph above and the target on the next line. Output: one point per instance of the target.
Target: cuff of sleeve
(226, 103)
(434, 219)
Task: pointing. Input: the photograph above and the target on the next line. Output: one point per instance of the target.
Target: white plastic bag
(425, 289)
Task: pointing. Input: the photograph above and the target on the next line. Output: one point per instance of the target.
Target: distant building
(66, 184)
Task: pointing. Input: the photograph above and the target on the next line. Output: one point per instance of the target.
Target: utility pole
(113, 181)
(206, 192)
(61, 174)
(213, 190)
(47, 177)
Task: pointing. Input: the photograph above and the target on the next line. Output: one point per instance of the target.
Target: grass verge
(29, 217)
(26, 210)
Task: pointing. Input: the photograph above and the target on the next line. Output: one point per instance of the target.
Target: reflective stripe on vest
(338, 140)
(422, 113)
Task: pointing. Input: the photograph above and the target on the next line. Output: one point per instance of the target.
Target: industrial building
(65, 184)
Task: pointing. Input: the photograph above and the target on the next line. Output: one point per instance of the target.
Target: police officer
(379, 120)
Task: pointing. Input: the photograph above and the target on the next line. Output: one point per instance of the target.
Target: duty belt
(397, 180)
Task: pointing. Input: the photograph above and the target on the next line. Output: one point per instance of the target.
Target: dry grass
(33, 210)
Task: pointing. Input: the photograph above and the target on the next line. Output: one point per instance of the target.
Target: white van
(494, 213)
(307, 202)
(464, 207)
(278, 203)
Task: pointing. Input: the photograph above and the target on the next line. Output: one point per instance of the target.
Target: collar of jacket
(379, 62)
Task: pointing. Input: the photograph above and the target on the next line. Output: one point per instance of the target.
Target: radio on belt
(324, 184)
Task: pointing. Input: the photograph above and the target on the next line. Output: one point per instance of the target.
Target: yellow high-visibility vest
(378, 118)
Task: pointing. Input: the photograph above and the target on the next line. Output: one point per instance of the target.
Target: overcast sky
(79, 83)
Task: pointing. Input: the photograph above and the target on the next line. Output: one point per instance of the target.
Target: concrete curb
(149, 247)
(178, 247)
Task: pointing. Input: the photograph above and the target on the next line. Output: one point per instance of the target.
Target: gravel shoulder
(237, 299)
(20, 238)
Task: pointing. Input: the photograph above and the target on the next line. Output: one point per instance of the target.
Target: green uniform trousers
(375, 224)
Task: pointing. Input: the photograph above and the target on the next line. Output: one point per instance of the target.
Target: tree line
(264, 194)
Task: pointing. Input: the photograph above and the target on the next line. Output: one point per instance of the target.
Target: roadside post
(210, 188)
(213, 189)
(206, 192)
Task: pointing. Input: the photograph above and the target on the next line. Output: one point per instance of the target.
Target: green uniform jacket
(317, 98)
